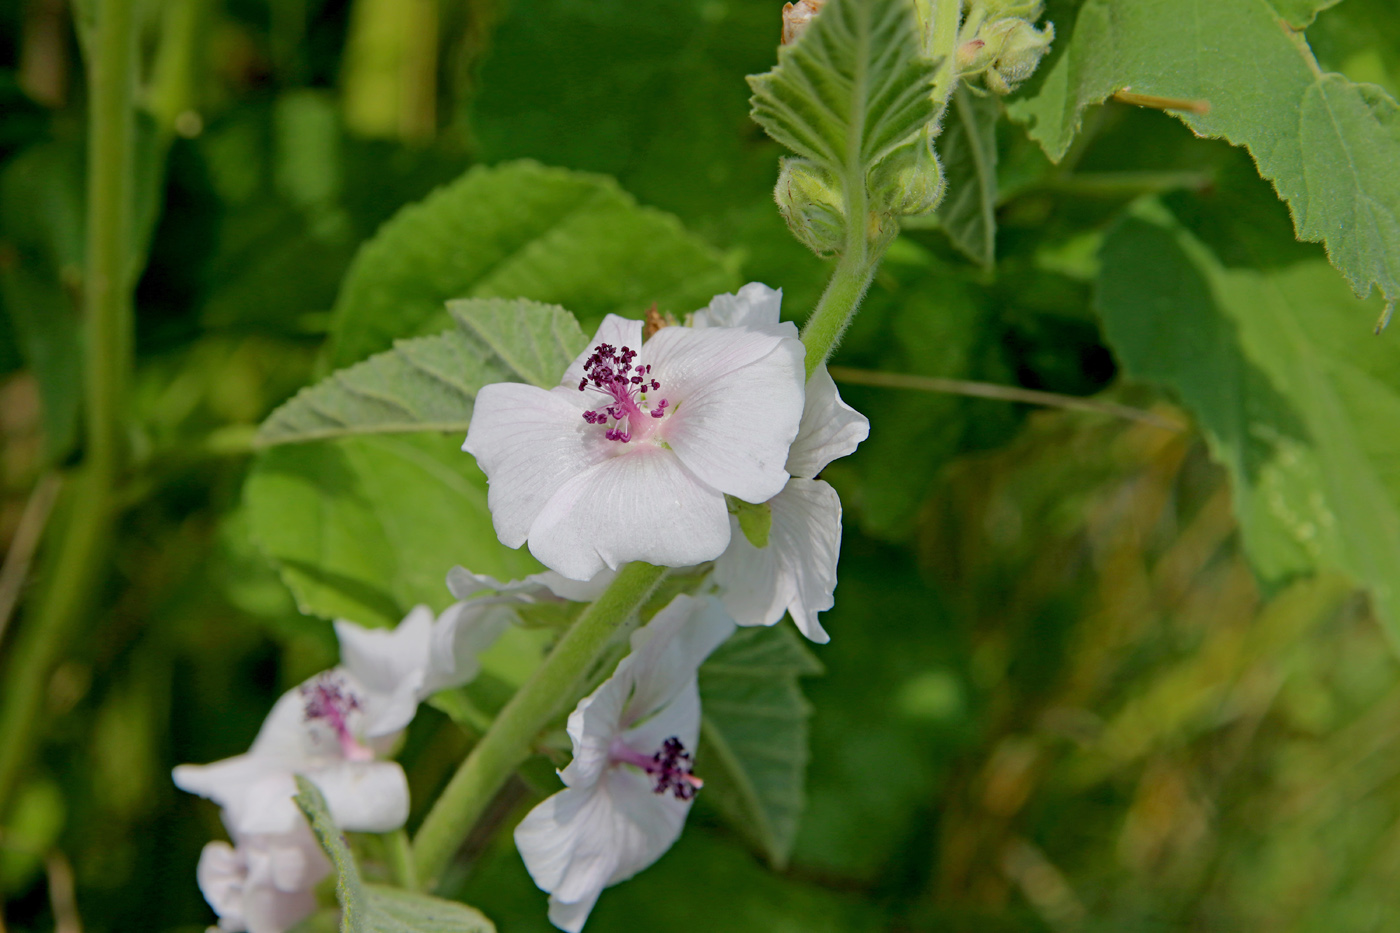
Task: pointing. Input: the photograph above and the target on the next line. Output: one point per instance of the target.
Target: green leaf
(349, 887)
(378, 908)
(1297, 398)
(1300, 13)
(520, 230)
(753, 746)
(1329, 146)
(851, 90)
(366, 528)
(430, 383)
(968, 150)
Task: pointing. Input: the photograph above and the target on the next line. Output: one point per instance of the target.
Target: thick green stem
(838, 304)
(507, 744)
(398, 852)
(79, 553)
(942, 48)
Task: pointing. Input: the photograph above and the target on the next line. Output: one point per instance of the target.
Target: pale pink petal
(616, 331)
(528, 442)
(755, 305)
(641, 505)
(737, 397)
(830, 428)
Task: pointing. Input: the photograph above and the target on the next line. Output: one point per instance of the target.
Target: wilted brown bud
(797, 16)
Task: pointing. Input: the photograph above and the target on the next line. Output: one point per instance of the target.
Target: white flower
(629, 786)
(396, 669)
(266, 883)
(631, 456)
(313, 730)
(796, 571)
(537, 587)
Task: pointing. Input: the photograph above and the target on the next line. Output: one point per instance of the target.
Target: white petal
(579, 841)
(618, 332)
(571, 917)
(265, 807)
(641, 505)
(667, 652)
(678, 719)
(285, 738)
(592, 726)
(830, 428)
(391, 665)
(579, 591)
(796, 571)
(528, 442)
(738, 396)
(756, 305)
(464, 585)
(221, 873)
(461, 634)
(364, 796)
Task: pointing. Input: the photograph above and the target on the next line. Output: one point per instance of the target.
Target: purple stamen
(670, 766)
(327, 699)
(610, 370)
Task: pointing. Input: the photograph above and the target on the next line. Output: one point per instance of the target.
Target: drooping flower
(265, 883)
(794, 569)
(629, 786)
(631, 456)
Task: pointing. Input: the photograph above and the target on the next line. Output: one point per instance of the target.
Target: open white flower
(396, 669)
(629, 786)
(795, 569)
(631, 456)
(264, 884)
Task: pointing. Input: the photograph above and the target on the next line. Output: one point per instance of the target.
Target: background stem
(79, 553)
(506, 745)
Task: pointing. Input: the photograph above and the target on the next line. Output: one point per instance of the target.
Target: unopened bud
(810, 201)
(797, 17)
(909, 181)
(1022, 48)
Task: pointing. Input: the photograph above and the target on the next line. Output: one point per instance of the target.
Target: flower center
(670, 766)
(328, 700)
(610, 370)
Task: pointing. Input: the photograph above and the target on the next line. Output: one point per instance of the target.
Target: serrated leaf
(520, 230)
(378, 908)
(753, 746)
(851, 90)
(1330, 146)
(366, 528)
(430, 383)
(967, 148)
(1297, 398)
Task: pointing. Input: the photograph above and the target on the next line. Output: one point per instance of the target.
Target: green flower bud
(1021, 48)
(810, 201)
(909, 181)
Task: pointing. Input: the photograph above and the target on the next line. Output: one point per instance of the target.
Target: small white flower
(631, 456)
(264, 884)
(629, 786)
(313, 730)
(796, 571)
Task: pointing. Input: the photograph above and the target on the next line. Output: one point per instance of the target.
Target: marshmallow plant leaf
(786, 560)
(630, 784)
(377, 908)
(631, 456)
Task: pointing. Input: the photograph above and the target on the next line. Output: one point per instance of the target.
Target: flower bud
(1012, 52)
(797, 17)
(909, 181)
(810, 201)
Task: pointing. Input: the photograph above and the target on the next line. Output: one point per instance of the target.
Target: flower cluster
(699, 447)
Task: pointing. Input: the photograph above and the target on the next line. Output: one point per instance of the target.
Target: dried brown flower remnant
(797, 16)
(653, 322)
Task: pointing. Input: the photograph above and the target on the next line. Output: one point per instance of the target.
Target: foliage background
(1058, 695)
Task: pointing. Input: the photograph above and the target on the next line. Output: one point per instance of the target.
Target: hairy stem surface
(507, 744)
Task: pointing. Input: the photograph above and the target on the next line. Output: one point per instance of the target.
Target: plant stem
(79, 554)
(506, 745)
(943, 51)
(838, 304)
(399, 854)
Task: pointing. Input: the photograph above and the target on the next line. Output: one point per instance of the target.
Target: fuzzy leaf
(349, 887)
(1300, 402)
(430, 383)
(1330, 146)
(520, 230)
(851, 90)
(753, 746)
(366, 528)
(968, 150)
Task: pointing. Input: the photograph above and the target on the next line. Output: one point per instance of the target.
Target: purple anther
(327, 700)
(670, 766)
(610, 370)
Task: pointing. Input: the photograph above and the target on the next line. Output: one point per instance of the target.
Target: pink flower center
(670, 766)
(610, 370)
(328, 700)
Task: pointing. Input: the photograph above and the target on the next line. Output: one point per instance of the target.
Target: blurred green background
(1056, 698)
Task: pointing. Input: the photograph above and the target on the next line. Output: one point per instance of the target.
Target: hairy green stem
(398, 852)
(78, 555)
(942, 49)
(838, 304)
(506, 745)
